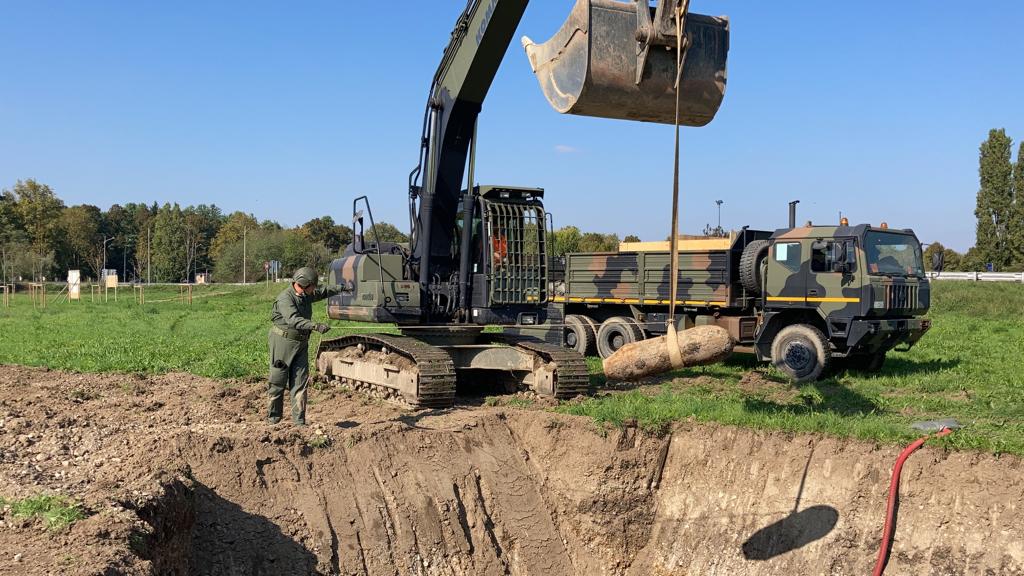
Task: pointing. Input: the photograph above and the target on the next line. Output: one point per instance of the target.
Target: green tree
(995, 200)
(232, 230)
(1016, 232)
(953, 260)
(631, 238)
(38, 210)
(260, 246)
(596, 242)
(300, 251)
(142, 221)
(82, 230)
(200, 224)
(387, 233)
(323, 231)
(169, 249)
(10, 222)
(566, 240)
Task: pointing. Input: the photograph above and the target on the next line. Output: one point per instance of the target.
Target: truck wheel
(750, 265)
(579, 334)
(615, 333)
(801, 352)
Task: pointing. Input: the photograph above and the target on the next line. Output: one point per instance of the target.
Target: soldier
(289, 342)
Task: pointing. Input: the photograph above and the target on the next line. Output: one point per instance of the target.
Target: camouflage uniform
(289, 348)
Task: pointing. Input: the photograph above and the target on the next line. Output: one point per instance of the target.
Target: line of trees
(40, 237)
(1000, 206)
(999, 212)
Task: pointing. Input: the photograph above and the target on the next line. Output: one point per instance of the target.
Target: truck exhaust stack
(610, 60)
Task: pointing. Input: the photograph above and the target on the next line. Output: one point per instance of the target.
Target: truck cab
(839, 293)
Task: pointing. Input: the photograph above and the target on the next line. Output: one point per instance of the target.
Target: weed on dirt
(56, 511)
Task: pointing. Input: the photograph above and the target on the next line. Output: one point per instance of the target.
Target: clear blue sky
(290, 109)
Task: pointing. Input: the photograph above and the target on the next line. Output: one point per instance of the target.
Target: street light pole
(244, 230)
(719, 202)
(105, 240)
(149, 255)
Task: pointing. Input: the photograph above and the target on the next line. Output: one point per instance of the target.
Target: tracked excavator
(477, 254)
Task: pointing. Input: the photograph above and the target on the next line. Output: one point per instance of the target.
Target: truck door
(833, 285)
(786, 274)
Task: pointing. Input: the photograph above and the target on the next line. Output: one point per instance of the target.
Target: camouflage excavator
(478, 255)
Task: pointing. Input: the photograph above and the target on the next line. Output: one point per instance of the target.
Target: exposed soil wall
(181, 476)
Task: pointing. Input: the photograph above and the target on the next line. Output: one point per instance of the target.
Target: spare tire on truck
(750, 265)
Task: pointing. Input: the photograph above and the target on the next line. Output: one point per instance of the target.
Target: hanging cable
(681, 48)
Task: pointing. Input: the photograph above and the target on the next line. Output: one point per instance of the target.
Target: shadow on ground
(796, 530)
(835, 398)
(899, 366)
(228, 540)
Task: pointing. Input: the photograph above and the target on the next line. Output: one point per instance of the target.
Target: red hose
(894, 489)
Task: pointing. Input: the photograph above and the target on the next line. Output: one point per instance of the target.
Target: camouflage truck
(803, 298)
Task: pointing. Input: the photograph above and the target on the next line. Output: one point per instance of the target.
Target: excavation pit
(201, 485)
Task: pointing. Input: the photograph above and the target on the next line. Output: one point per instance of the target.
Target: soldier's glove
(321, 328)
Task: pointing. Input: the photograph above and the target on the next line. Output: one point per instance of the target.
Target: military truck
(805, 298)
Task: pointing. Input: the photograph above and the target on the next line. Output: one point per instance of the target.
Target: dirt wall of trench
(200, 485)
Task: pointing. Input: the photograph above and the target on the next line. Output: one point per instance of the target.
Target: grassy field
(969, 367)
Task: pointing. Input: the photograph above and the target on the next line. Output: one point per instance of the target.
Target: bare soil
(181, 475)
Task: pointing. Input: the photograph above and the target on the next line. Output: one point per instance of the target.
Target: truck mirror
(358, 246)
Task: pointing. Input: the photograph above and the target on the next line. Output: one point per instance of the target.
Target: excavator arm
(600, 63)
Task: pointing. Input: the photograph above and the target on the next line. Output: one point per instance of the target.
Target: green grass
(58, 512)
(223, 334)
(969, 367)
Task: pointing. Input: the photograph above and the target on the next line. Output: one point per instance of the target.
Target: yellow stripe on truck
(812, 299)
(831, 299)
(636, 301)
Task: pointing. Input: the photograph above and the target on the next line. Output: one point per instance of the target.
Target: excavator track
(572, 377)
(435, 386)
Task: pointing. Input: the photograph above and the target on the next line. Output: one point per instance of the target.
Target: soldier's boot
(298, 394)
(275, 391)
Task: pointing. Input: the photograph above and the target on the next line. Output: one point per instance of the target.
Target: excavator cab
(615, 59)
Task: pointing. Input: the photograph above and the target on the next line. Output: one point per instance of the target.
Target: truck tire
(615, 333)
(593, 326)
(801, 352)
(750, 265)
(579, 334)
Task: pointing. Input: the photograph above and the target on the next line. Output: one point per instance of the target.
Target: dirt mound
(182, 476)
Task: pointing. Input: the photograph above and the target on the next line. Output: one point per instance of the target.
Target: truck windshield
(893, 254)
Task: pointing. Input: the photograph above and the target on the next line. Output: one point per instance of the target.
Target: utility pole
(244, 230)
(719, 202)
(149, 255)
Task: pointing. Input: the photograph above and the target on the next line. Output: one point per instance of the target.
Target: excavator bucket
(611, 60)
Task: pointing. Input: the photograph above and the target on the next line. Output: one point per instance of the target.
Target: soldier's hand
(321, 328)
